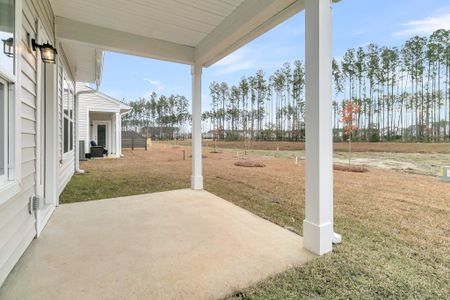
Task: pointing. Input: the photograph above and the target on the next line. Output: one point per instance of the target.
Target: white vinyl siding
(4, 120)
(65, 118)
(96, 104)
(17, 225)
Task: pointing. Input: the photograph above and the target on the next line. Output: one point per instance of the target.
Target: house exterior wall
(94, 106)
(66, 160)
(17, 225)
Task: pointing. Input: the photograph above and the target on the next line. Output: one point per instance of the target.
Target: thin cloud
(156, 84)
(250, 58)
(239, 60)
(358, 32)
(363, 45)
(424, 26)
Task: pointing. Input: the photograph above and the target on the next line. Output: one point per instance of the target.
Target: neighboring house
(100, 119)
(39, 96)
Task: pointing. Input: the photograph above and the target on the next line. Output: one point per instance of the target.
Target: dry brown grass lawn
(395, 226)
(340, 147)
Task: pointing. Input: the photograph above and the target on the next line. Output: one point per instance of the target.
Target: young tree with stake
(348, 117)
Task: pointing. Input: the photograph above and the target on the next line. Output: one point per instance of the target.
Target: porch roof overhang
(85, 62)
(195, 32)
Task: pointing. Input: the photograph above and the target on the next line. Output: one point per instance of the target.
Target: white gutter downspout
(98, 76)
(77, 127)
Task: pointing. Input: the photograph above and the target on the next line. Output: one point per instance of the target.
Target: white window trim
(4, 160)
(8, 76)
(69, 154)
(13, 187)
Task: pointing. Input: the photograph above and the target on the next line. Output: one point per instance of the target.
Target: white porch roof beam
(251, 19)
(123, 42)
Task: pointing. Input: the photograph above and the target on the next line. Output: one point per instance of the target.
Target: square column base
(318, 238)
(197, 182)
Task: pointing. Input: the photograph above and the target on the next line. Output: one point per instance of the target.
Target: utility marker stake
(296, 160)
(184, 154)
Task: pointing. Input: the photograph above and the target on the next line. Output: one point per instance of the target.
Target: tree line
(160, 112)
(403, 94)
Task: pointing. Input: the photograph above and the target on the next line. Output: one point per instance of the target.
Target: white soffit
(86, 62)
(184, 31)
(183, 22)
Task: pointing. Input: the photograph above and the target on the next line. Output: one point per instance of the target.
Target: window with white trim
(68, 116)
(7, 76)
(4, 121)
(7, 27)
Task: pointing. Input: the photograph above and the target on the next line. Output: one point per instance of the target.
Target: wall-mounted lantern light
(8, 47)
(48, 52)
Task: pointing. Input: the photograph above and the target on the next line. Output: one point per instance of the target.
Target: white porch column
(118, 128)
(197, 178)
(318, 223)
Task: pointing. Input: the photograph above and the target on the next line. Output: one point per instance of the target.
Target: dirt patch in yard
(249, 164)
(339, 147)
(389, 164)
(424, 159)
(416, 163)
(351, 168)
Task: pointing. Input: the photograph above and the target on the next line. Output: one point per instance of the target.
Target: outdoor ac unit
(82, 150)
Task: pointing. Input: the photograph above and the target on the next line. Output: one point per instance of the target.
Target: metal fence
(132, 139)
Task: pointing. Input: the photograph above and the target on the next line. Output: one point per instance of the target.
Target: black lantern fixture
(48, 52)
(8, 47)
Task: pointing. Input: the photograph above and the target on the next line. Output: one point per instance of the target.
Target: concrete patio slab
(180, 244)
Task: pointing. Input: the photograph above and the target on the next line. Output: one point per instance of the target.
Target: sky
(355, 23)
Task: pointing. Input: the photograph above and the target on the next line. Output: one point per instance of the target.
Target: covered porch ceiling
(199, 32)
